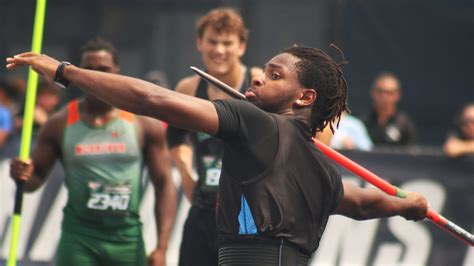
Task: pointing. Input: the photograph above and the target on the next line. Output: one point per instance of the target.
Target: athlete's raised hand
(41, 63)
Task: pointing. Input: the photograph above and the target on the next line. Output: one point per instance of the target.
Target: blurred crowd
(12, 95)
(388, 126)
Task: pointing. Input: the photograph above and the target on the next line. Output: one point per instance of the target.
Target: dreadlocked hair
(318, 70)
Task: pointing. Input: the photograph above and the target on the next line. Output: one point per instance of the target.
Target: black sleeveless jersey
(207, 153)
(275, 183)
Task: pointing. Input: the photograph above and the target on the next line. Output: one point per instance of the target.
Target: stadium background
(428, 44)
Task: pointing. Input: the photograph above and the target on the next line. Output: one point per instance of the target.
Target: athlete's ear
(306, 97)
(242, 48)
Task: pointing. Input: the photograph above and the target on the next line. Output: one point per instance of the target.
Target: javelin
(27, 127)
(357, 169)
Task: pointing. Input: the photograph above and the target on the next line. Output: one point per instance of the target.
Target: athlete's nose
(220, 48)
(258, 81)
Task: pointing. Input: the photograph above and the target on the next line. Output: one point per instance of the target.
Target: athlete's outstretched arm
(130, 94)
(367, 203)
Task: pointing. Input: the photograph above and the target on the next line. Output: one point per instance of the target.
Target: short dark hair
(226, 20)
(319, 71)
(99, 44)
(384, 75)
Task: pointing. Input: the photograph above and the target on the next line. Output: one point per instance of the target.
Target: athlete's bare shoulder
(58, 119)
(151, 129)
(188, 85)
(152, 124)
(52, 130)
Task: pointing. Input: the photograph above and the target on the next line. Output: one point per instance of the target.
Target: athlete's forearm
(378, 205)
(33, 183)
(165, 212)
(126, 93)
(188, 185)
(455, 147)
(182, 157)
(367, 203)
(187, 180)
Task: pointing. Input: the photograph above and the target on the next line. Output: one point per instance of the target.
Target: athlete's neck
(95, 107)
(385, 113)
(303, 114)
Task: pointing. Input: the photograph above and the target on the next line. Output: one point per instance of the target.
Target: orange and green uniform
(103, 173)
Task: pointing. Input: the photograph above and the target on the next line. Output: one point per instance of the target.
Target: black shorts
(199, 243)
(261, 252)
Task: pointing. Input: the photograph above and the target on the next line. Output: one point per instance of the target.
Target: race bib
(212, 167)
(212, 177)
(110, 198)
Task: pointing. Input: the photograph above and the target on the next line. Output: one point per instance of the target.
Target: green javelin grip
(27, 127)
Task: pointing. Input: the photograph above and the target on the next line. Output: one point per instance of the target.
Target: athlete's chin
(218, 68)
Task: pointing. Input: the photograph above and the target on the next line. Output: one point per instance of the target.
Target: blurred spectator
(461, 141)
(18, 86)
(7, 103)
(386, 124)
(5, 124)
(10, 94)
(351, 135)
(47, 99)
